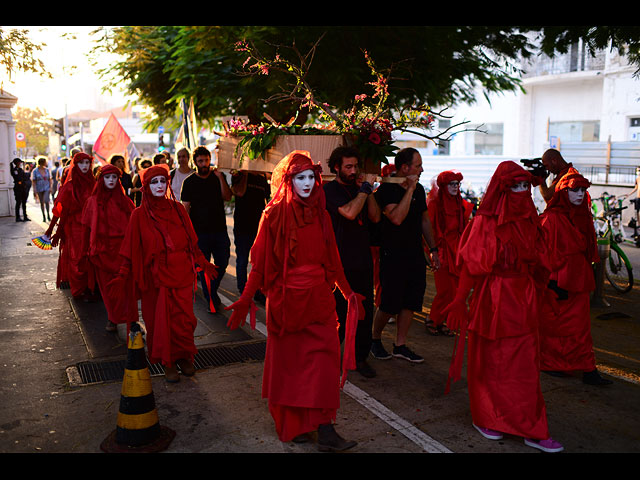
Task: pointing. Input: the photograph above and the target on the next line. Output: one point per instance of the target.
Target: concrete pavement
(46, 334)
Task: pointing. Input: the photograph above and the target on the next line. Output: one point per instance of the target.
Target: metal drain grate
(111, 370)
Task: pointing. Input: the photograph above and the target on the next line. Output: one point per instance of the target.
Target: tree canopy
(434, 65)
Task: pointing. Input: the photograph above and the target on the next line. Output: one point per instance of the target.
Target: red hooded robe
(295, 262)
(565, 327)
(105, 218)
(504, 259)
(449, 216)
(67, 212)
(161, 255)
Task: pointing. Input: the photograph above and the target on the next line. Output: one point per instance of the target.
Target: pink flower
(360, 98)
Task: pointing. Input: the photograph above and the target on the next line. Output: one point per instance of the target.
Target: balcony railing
(578, 59)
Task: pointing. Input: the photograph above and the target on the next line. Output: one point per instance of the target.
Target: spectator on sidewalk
(21, 186)
(252, 192)
(554, 163)
(403, 265)
(352, 208)
(42, 185)
(125, 178)
(203, 196)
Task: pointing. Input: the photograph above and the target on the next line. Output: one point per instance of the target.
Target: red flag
(112, 139)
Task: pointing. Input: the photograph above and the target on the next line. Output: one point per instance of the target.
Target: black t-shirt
(404, 239)
(249, 207)
(206, 203)
(352, 236)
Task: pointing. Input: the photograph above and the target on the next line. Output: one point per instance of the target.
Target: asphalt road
(46, 335)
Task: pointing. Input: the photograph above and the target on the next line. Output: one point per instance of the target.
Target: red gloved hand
(240, 311)
(211, 270)
(456, 313)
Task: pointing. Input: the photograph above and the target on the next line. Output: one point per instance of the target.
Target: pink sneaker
(549, 445)
(488, 433)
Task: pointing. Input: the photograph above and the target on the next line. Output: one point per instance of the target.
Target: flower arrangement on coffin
(368, 125)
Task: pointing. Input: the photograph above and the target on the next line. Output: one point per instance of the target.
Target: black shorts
(402, 283)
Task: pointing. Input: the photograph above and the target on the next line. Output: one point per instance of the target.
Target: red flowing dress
(67, 212)
(449, 216)
(503, 253)
(565, 327)
(295, 262)
(105, 218)
(161, 254)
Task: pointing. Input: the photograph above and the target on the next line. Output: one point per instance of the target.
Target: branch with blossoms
(368, 124)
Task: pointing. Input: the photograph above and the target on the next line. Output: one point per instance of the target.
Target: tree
(434, 65)
(18, 53)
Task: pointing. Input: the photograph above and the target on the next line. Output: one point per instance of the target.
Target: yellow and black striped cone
(138, 428)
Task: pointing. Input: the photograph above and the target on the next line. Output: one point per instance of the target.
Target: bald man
(555, 164)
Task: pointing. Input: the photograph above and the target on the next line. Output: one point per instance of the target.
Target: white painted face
(453, 188)
(110, 180)
(303, 183)
(84, 165)
(576, 195)
(158, 186)
(520, 187)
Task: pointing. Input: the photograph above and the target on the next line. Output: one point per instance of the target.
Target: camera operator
(555, 164)
(21, 187)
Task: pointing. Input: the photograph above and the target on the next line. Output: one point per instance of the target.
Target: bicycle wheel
(618, 270)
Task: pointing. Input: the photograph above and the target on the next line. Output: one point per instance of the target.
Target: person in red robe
(296, 264)
(105, 217)
(67, 215)
(565, 327)
(449, 214)
(503, 258)
(161, 256)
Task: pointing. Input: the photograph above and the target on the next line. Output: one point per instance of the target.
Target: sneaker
(488, 433)
(549, 445)
(404, 352)
(378, 351)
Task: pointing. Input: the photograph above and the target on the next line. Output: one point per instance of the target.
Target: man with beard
(352, 207)
(203, 195)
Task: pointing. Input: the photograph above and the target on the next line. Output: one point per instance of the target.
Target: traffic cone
(138, 429)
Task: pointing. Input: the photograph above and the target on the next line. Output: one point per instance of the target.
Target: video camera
(536, 167)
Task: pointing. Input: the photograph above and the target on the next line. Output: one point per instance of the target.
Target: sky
(71, 89)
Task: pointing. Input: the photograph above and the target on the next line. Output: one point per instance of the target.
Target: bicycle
(617, 267)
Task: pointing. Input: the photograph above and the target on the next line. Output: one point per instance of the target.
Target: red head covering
(286, 212)
(387, 170)
(578, 215)
(440, 200)
(76, 189)
(500, 201)
(106, 212)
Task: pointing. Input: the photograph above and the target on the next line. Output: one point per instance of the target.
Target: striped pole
(137, 427)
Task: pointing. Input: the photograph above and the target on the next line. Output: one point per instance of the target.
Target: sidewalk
(46, 335)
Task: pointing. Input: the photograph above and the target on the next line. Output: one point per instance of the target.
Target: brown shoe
(186, 367)
(171, 374)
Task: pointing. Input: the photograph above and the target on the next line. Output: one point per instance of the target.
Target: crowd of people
(334, 262)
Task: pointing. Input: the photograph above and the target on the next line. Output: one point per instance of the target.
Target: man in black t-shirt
(403, 265)
(252, 194)
(203, 196)
(352, 207)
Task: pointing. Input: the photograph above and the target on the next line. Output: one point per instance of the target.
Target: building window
(587, 131)
(489, 143)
